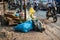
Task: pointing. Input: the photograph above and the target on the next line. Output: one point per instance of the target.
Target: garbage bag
(24, 27)
(38, 25)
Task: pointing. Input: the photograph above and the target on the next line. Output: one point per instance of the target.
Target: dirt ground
(6, 33)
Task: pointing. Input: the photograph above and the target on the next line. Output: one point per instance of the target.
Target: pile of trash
(30, 24)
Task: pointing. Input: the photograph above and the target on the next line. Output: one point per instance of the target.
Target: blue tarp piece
(24, 27)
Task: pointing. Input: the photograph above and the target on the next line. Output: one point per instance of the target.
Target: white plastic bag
(28, 16)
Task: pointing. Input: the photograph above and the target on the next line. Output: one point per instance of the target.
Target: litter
(24, 27)
(38, 26)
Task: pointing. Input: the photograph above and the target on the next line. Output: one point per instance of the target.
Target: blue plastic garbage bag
(24, 27)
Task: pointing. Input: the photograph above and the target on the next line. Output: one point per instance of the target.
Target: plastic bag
(28, 17)
(24, 27)
(17, 14)
(32, 11)
(38, 25)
